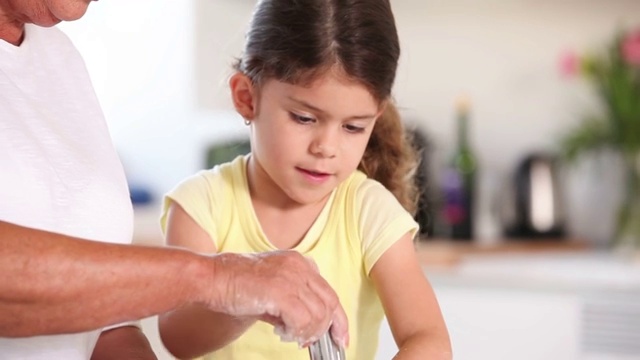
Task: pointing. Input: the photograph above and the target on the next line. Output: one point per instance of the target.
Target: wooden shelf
(444, 252)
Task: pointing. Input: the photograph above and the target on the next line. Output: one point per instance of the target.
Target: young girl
(329, 176)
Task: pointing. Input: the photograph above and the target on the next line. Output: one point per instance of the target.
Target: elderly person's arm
(55, 284)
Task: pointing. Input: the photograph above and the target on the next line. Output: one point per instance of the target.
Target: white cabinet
(573, 307)
(386, 345)
(501, 324)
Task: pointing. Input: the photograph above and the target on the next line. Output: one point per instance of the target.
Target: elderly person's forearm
(61, 284)
(64, 285)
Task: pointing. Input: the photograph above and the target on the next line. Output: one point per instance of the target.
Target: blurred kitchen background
(160, 68)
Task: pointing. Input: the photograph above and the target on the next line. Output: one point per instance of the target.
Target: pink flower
(569, 64)
(631, 48)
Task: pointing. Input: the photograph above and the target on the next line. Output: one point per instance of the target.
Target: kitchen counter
(437, 252)
(532, 300)
(446, 253)
(550, 263)
(569, 265)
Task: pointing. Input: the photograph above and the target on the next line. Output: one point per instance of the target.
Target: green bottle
(460, 180)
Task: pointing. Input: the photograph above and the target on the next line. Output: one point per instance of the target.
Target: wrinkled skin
(284, 289)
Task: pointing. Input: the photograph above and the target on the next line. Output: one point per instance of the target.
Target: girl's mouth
(314, 176)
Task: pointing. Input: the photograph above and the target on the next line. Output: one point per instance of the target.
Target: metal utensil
(326, 349)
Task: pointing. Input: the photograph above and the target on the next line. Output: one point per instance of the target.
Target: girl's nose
(325, 144)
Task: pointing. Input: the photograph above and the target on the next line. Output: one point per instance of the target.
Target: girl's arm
(410, 304)
(193, 330)
(123, 343)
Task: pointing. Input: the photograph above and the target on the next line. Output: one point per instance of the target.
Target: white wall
(159, 68)
(142, 58)
(504, 54)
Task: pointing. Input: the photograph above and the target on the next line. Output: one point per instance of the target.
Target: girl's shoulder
(210, 184)
(366, 190)
(368, 200)
(223, 174)
(376, 218)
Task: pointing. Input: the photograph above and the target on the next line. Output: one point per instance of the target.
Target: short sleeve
(382, 221)
(199, 195)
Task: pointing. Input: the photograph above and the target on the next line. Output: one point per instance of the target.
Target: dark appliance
(532, 205)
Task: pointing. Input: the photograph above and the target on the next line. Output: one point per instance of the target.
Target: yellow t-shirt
(358, 224)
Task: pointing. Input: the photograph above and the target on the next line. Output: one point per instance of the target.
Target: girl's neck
(270, 193)
(273, 207)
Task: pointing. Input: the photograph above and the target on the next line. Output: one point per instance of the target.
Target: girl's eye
(301, 119)
(353, 128)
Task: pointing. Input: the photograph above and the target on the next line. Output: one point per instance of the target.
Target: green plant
(615, 75)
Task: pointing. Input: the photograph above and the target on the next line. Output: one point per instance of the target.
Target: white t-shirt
(59, 170)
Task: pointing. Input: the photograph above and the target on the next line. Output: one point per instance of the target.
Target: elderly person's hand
(282, 288)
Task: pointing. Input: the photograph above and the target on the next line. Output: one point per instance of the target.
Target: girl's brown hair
(296, 41)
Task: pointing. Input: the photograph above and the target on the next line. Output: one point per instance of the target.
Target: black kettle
(532, 205)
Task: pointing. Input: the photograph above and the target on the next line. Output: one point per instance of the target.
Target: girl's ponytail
(390, 158)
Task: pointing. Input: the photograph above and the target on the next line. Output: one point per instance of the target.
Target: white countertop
(583, 271)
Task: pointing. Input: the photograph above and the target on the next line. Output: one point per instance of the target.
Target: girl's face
(306, 140)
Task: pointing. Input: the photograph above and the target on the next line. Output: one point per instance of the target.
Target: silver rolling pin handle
(326, 349)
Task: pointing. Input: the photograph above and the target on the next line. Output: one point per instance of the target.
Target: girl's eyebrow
(322, 112)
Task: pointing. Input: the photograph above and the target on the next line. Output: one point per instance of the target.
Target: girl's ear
(382, 108)
(243, 95)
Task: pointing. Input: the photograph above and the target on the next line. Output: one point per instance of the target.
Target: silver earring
(247, 122)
